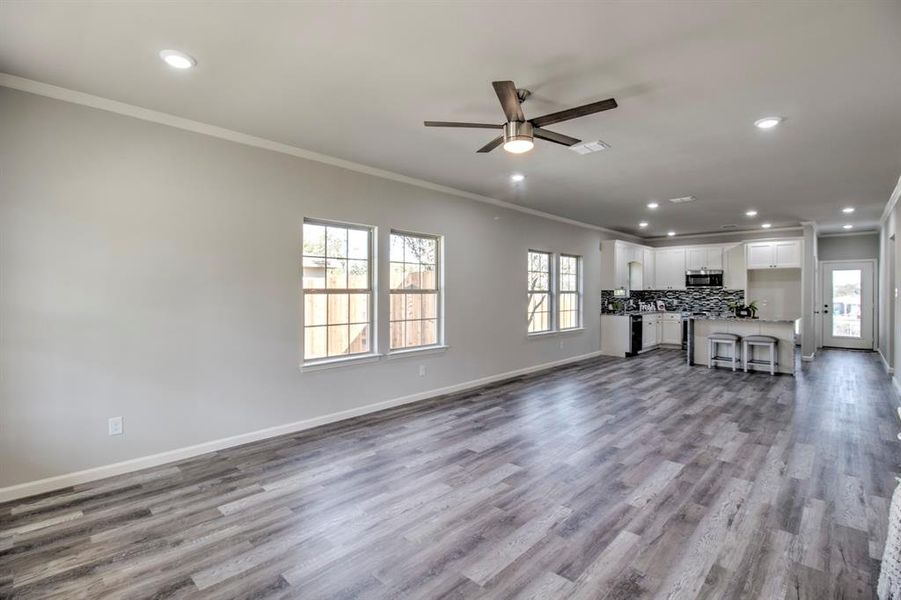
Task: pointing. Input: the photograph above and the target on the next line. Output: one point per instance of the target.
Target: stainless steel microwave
(704, 278)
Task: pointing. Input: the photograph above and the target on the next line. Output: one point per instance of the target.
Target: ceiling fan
(518, 132)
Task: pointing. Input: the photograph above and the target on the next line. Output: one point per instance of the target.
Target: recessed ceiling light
(848, 210)
(652, 205)
(643, 224)
(177, 60)
(671, 233)
(751, 213)
(766, 225)
(517, 177)
(767, 122)
(849, 226)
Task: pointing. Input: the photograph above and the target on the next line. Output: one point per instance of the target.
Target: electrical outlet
(561, 343)
(116, 426)
(421, 370)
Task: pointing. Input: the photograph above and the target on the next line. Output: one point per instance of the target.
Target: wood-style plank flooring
(611, 478)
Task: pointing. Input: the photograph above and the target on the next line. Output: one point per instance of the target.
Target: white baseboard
(40, 486)
(888, 368)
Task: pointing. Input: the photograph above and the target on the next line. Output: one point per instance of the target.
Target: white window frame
(370, 290)
(438, 290)
(577, 292)
(550, 292)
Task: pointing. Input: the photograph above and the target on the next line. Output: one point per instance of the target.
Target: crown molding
(689, 236)
(892, 201)
(145, 114)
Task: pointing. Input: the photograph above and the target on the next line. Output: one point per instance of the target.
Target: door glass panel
(846, 303)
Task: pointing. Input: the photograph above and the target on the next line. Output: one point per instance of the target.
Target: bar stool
(728, 339)
(767, 341)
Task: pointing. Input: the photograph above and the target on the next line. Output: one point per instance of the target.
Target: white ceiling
(355, 80)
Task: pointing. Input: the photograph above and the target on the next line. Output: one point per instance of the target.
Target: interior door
(848, 304)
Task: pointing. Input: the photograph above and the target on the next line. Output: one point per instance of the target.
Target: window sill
(332, 363)
(543, 334)
(425, 350)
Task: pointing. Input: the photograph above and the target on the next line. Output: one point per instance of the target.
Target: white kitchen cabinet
(648, 264)
(695, 258)
(670, 269)
(649, 325)
(714, 258)
(672, 329)
(623, 265)
(788, 254)
(773, 255)
(705, 258)
(735, 273)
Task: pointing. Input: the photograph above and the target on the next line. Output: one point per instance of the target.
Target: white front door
(848, 304)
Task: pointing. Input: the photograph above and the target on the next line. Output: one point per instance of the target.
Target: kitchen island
(783, 329)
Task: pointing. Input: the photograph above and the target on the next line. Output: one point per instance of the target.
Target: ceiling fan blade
(574, 113)
(506, 93)
(557, 138)
(456, 124)
(492, 144)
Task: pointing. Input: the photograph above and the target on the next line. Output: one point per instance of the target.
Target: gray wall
(153, 273)
(849, 247)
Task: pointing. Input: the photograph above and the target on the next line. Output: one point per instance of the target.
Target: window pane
(398, 306)
(314, 309)
(430, 306)
(313, 273)
(313, 239)
(846, 316)
(397, 248)
(337, 340)
(337, 309)
(430, 255)
(412, 277)
(359, 339)
(415, 249)
(359, 308)
(397, 335)
(412, 333)
(413, 307)
(397, 276)
(428, 280)
(336, 242)
(314, 343)
(539, 281)
(358, 274)
(336, 274)
(537, 312)
(430, 331)
(357, 244)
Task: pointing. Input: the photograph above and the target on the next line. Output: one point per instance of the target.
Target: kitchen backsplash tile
(696, 299)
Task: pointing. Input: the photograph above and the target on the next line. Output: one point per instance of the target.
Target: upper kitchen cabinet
(623, 265)
(670, 269)
(783, 254)
(697, 259)
(735, 273)
(650, 275)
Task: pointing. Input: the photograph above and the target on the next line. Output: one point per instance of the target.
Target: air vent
(589, 147)
(682, 200)
(728, 226)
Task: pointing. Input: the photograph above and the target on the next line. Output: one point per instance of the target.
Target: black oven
(705, 278)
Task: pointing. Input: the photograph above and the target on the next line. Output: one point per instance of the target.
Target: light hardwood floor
(612, 478)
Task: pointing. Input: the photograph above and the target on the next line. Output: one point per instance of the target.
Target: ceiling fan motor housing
(517, 130)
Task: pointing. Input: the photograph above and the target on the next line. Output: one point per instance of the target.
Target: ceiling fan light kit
(518, 137)
(519, 134)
